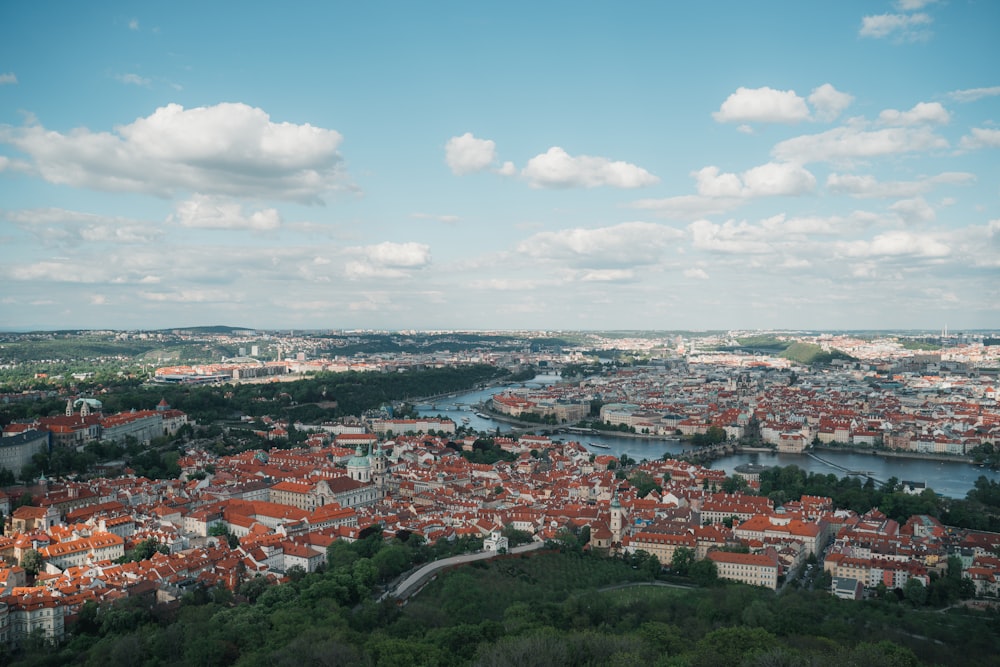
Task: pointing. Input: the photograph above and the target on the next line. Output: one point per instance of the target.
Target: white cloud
(908, 27)
(606, 276)
(558, 169)
(829, 102)
(981, 138)
(923, 112)
(698, 274)
(623, 245)
(771, 179)
(388, 260)
(894, 244)
(133, 24)
(467, 154)
(405, 255)
(868, 187)
(208, 212)
(133, 79)
(913, 210)
(98, 300)
(729, 237)
(973, 94)
(63, 227)
(230, 149)
(913, 5)
(7, 78)
(762, 105)
(848, 143)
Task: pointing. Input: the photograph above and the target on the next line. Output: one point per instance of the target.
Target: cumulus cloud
(924, 112)
(906, 27)
(829, 102)
(133, 24)
(623, 245)
(229, 149)
(208, 212)
(895, 244)
(388, 260)
(771, 179)
(730, 238)
(913, 210)
(8, 78)
(558, 169)
(980, 137)
(762, 105)
(973, 94)
(133, 80)
(868, 187)
(849, 143)
(467, 154)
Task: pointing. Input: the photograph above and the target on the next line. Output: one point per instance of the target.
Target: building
(753, 569)
(17, 449)
(98, 547)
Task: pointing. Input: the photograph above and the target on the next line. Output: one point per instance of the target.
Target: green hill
(811, 354)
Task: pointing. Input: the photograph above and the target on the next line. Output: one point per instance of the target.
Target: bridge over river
(859, 473)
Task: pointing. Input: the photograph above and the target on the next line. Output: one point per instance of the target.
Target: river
(947, 478)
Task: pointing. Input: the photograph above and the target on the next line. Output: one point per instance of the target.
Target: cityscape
(262, 474)
(525, 333)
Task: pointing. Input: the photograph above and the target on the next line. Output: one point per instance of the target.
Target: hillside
(811, 354)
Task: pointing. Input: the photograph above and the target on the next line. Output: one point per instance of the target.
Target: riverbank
(896, 454)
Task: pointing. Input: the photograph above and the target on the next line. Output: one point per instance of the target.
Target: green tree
(915, 592)
(704, 572)
(32, 561)
(682, 560)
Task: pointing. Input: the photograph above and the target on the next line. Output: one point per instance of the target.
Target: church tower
(69, 407)
(359, 467)
(617, 516)
(380, 468)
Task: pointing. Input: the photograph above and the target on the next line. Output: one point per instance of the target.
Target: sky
(518, 165)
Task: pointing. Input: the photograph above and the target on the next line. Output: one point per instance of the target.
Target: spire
(69, 407)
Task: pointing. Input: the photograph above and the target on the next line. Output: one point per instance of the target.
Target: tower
(380, 468)
(69, 407)
(616, 519)
(359, 467)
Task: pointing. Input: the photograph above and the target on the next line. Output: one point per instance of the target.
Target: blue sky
(517, 165)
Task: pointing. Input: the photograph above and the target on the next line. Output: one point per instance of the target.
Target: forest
(557, 607)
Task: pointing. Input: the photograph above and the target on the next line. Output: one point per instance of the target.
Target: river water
(945, 477)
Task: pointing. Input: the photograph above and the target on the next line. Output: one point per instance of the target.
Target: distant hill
(811, 354)
(217, 329)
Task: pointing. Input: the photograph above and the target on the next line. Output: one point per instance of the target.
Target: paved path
(415, 581)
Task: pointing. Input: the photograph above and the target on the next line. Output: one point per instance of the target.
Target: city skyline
(568, 166)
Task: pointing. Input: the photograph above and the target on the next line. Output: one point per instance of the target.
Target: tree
(704, 572)
(32, 562)
(682, 560)
(915, 592)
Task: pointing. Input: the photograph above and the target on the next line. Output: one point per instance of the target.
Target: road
(415, 581)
